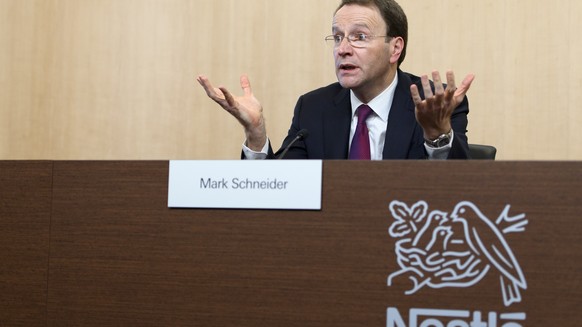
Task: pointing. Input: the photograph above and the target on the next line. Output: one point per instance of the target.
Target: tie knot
(363, 113)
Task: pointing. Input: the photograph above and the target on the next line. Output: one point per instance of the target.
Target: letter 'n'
(394, 319)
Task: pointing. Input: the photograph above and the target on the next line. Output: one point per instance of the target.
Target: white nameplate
(249, 184)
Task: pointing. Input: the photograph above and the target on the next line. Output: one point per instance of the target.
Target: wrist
(256, 138)
(439, 141)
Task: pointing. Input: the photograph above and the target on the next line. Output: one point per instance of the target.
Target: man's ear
(397, 46)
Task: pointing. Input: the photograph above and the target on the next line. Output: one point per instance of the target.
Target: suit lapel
(336, 122)
(401, 121)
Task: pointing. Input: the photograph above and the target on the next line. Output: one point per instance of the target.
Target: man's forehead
(357, 16)
(350, 26)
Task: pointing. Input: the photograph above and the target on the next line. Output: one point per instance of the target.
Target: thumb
(245, 84)
(465, 85)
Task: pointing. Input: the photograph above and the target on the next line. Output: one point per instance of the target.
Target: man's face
(367, 71)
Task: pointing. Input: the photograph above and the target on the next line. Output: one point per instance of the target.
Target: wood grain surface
(115, 79)
(25, 209)
(120, 257)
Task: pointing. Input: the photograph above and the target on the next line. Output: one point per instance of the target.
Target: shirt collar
(380, 104)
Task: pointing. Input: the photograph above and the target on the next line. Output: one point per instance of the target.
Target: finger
(228, 97)
(466, 83)
(439, 90)
(449, 91)
(415, 95)
(245, 84)
(210, 90)
(459, 93)
(203, 80)
(451, 87)
(426, 87)
(438, 84)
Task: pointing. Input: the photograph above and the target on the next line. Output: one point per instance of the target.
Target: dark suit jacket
(326, 113)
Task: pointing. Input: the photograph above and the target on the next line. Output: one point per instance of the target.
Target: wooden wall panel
(25, 209)
(528, 83)
(106, 79)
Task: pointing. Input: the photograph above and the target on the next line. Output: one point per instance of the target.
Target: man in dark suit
(407, 117)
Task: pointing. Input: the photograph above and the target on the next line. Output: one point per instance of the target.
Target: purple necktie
(360, 148)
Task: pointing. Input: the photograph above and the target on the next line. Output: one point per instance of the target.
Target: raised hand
(246, 109)
(434, 112)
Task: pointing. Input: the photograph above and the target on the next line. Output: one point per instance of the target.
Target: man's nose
(344, 47)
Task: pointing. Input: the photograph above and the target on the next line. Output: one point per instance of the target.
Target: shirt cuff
(254, 155)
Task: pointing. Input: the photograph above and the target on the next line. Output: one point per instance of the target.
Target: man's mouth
(347, 67)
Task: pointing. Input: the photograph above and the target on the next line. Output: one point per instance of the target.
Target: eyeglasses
(358, 40)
